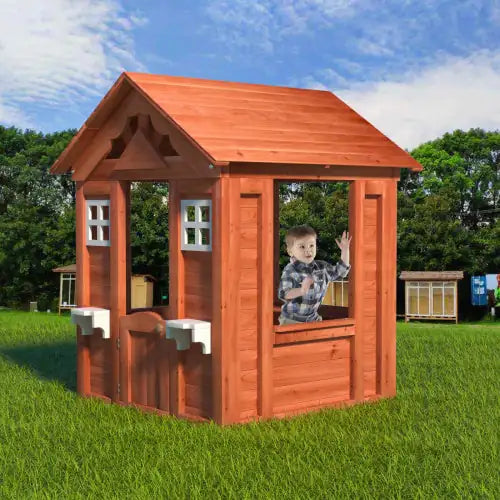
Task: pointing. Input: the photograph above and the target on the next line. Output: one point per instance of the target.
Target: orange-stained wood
(144, 361)
(176, 268)
(231, 292)
(100, 365)
(82, 292)
(101, 143)
(220, 215)
(248, 301)
(318, 334)
(235, 106)
(133, 105)
(386, 305)
(225, 122)
(356, 282)
(304, 172)
(96, 190)
(265, 237)
(139, 154)
(225, 234)
(176, 293)
(371, 285)
(118, 270)
(198, 286)
(277, 242)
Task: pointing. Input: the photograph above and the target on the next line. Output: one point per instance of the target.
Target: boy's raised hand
(344, 242)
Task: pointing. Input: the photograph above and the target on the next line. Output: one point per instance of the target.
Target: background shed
(431, 294)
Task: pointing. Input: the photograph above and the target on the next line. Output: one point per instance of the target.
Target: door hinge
(118, 388)
(118, 343)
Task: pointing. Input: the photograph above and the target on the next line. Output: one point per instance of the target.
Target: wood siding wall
(369, 286)
(100, 295)
(191, 291)
(309, 375)
(248, 303)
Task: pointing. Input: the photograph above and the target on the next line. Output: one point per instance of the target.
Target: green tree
(37, 229)
(448, 213)
(149, 235)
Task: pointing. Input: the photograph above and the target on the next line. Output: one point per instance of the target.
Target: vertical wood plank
(176, 296)
(219, 274)
(118, 272)
(82, 291)
(128, 300)
(265, 261)
(163, 370)
(386, 303)
(276, 233)
(125, 364)
(176, 271)
(232, 288)
(151, 368)
(225, 250)
(356, 228)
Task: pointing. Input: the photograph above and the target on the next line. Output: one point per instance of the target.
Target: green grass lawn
(439, 438)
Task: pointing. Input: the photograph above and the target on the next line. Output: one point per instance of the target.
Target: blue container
(478, 291)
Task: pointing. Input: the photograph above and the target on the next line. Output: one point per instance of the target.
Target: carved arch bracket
(141, 126)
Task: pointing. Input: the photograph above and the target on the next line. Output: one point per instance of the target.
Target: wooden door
(146, 358)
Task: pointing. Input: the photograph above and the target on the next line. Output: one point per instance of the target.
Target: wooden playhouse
(217, 350)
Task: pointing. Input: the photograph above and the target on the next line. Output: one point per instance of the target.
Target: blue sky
(413, 68)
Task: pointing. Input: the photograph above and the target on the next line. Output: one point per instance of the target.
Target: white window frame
(100, 222)
(197, 225)
(430, 285)
(71, 279)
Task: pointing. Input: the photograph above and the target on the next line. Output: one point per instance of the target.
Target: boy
(302, 301)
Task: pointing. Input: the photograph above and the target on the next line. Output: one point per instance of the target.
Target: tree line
(448, 214)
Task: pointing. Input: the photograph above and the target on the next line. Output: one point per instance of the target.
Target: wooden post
(83, 292)
(176, 298)
(118, 272)
(276, 233)
(356, 283)
(386, 287)
(225, 293)
(266, 232)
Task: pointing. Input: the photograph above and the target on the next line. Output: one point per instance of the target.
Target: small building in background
(431, 294)
(67, 286)
(337, 294)
(141, 288)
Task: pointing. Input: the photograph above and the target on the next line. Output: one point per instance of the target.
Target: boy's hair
(298, 232)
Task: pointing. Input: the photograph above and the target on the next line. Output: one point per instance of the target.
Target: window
(67, 290)
(196, 225)
(433, 298)
(323, 206)
(98, 231)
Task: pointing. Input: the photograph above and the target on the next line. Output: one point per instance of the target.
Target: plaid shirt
(305, 307)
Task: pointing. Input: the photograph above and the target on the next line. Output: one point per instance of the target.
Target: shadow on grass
(55, 361)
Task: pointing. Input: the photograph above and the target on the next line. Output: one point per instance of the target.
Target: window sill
(319, 330)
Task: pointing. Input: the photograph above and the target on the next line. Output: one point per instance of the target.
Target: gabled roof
(240, 122)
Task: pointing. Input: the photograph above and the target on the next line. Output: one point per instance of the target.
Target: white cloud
(261, 23)
(453, 93)
(14, 116)
(54, 53)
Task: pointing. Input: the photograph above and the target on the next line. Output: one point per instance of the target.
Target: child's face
(303, 249)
